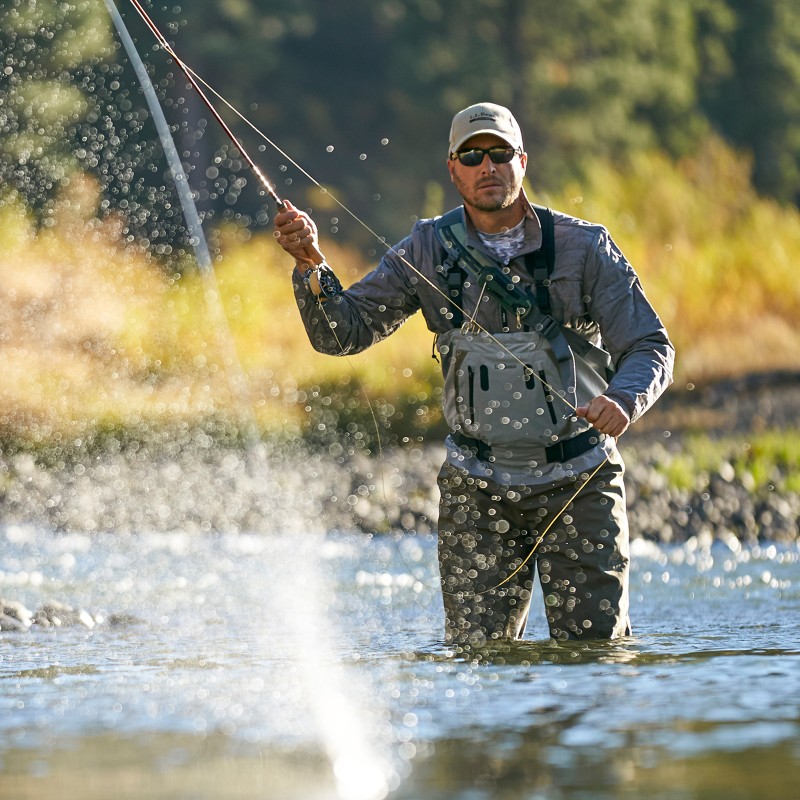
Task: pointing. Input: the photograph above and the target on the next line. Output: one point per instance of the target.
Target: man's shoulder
(572, 232)
(429, 224)
(425, 233)
(577, 226)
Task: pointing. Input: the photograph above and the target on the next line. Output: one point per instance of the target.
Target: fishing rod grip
(314, 255)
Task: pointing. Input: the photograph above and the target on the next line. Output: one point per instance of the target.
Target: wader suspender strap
(451, 233)
(541, 263)
(455, 285)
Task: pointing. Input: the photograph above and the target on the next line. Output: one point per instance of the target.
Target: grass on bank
(95, 335)
(768, 460)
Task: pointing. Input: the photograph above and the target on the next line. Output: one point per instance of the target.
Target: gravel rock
(14, 616)
(208, 489)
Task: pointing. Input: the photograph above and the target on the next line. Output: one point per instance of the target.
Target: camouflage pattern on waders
(509, 399)
(486, 530)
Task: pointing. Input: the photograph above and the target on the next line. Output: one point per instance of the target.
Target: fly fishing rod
(313, 253)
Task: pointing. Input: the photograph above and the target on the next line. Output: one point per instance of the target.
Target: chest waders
(500, 388)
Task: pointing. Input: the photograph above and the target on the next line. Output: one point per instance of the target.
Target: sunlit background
(217, 555)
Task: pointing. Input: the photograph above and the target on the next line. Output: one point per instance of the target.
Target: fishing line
(538, 541)
(225, 127)
(234, 372)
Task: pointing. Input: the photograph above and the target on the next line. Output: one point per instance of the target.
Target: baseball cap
(484, 118)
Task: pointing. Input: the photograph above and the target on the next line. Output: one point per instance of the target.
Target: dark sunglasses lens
(501, 155)
(470, 158)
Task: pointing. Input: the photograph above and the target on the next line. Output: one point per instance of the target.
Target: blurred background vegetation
(675, 124)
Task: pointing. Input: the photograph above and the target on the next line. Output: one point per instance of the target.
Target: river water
(308, 665)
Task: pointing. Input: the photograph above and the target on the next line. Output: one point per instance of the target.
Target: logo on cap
(478, 117)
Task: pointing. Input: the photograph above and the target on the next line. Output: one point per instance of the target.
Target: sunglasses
(474, 156)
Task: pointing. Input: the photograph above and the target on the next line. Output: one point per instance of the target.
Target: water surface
(309, 665)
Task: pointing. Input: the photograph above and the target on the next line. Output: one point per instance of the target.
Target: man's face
(488, 187)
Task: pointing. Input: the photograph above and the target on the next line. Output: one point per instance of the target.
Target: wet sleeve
(348, 321)
(632, 332)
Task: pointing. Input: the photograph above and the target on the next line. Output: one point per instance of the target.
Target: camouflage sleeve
(346, 321)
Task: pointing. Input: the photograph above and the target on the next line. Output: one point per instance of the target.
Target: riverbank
(714, 461)
(670, 498)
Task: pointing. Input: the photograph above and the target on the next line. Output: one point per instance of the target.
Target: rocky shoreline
(191, 483)
(16, 617)
(207, 490)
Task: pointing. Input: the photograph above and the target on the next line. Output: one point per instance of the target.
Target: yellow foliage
(96, 333)
(716, 260)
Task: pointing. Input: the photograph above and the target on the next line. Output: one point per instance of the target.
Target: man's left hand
(605, 415)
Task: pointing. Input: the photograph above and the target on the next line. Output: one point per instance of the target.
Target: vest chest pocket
(503, 393)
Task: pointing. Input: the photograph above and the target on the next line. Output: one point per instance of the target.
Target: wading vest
(509, 397)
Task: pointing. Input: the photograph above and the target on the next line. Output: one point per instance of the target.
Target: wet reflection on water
(252, 655)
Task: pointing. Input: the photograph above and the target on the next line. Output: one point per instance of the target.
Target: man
(532, 477)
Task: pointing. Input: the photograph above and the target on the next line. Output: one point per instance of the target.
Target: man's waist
(526, 454)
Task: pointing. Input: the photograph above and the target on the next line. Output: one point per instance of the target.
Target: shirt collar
(533, 229)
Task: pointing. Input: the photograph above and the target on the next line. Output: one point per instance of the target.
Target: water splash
(361, 772)
(355, 740)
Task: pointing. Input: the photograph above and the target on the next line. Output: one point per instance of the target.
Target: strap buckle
(547, 326)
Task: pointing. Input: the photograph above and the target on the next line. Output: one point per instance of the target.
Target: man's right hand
(296, 233)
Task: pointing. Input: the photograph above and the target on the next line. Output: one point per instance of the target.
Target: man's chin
(489, 206)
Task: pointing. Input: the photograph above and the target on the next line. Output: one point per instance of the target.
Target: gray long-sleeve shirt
(593, 290)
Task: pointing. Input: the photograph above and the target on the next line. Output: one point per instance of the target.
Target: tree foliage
(361, 95)
(755, 101)
(42, 91)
